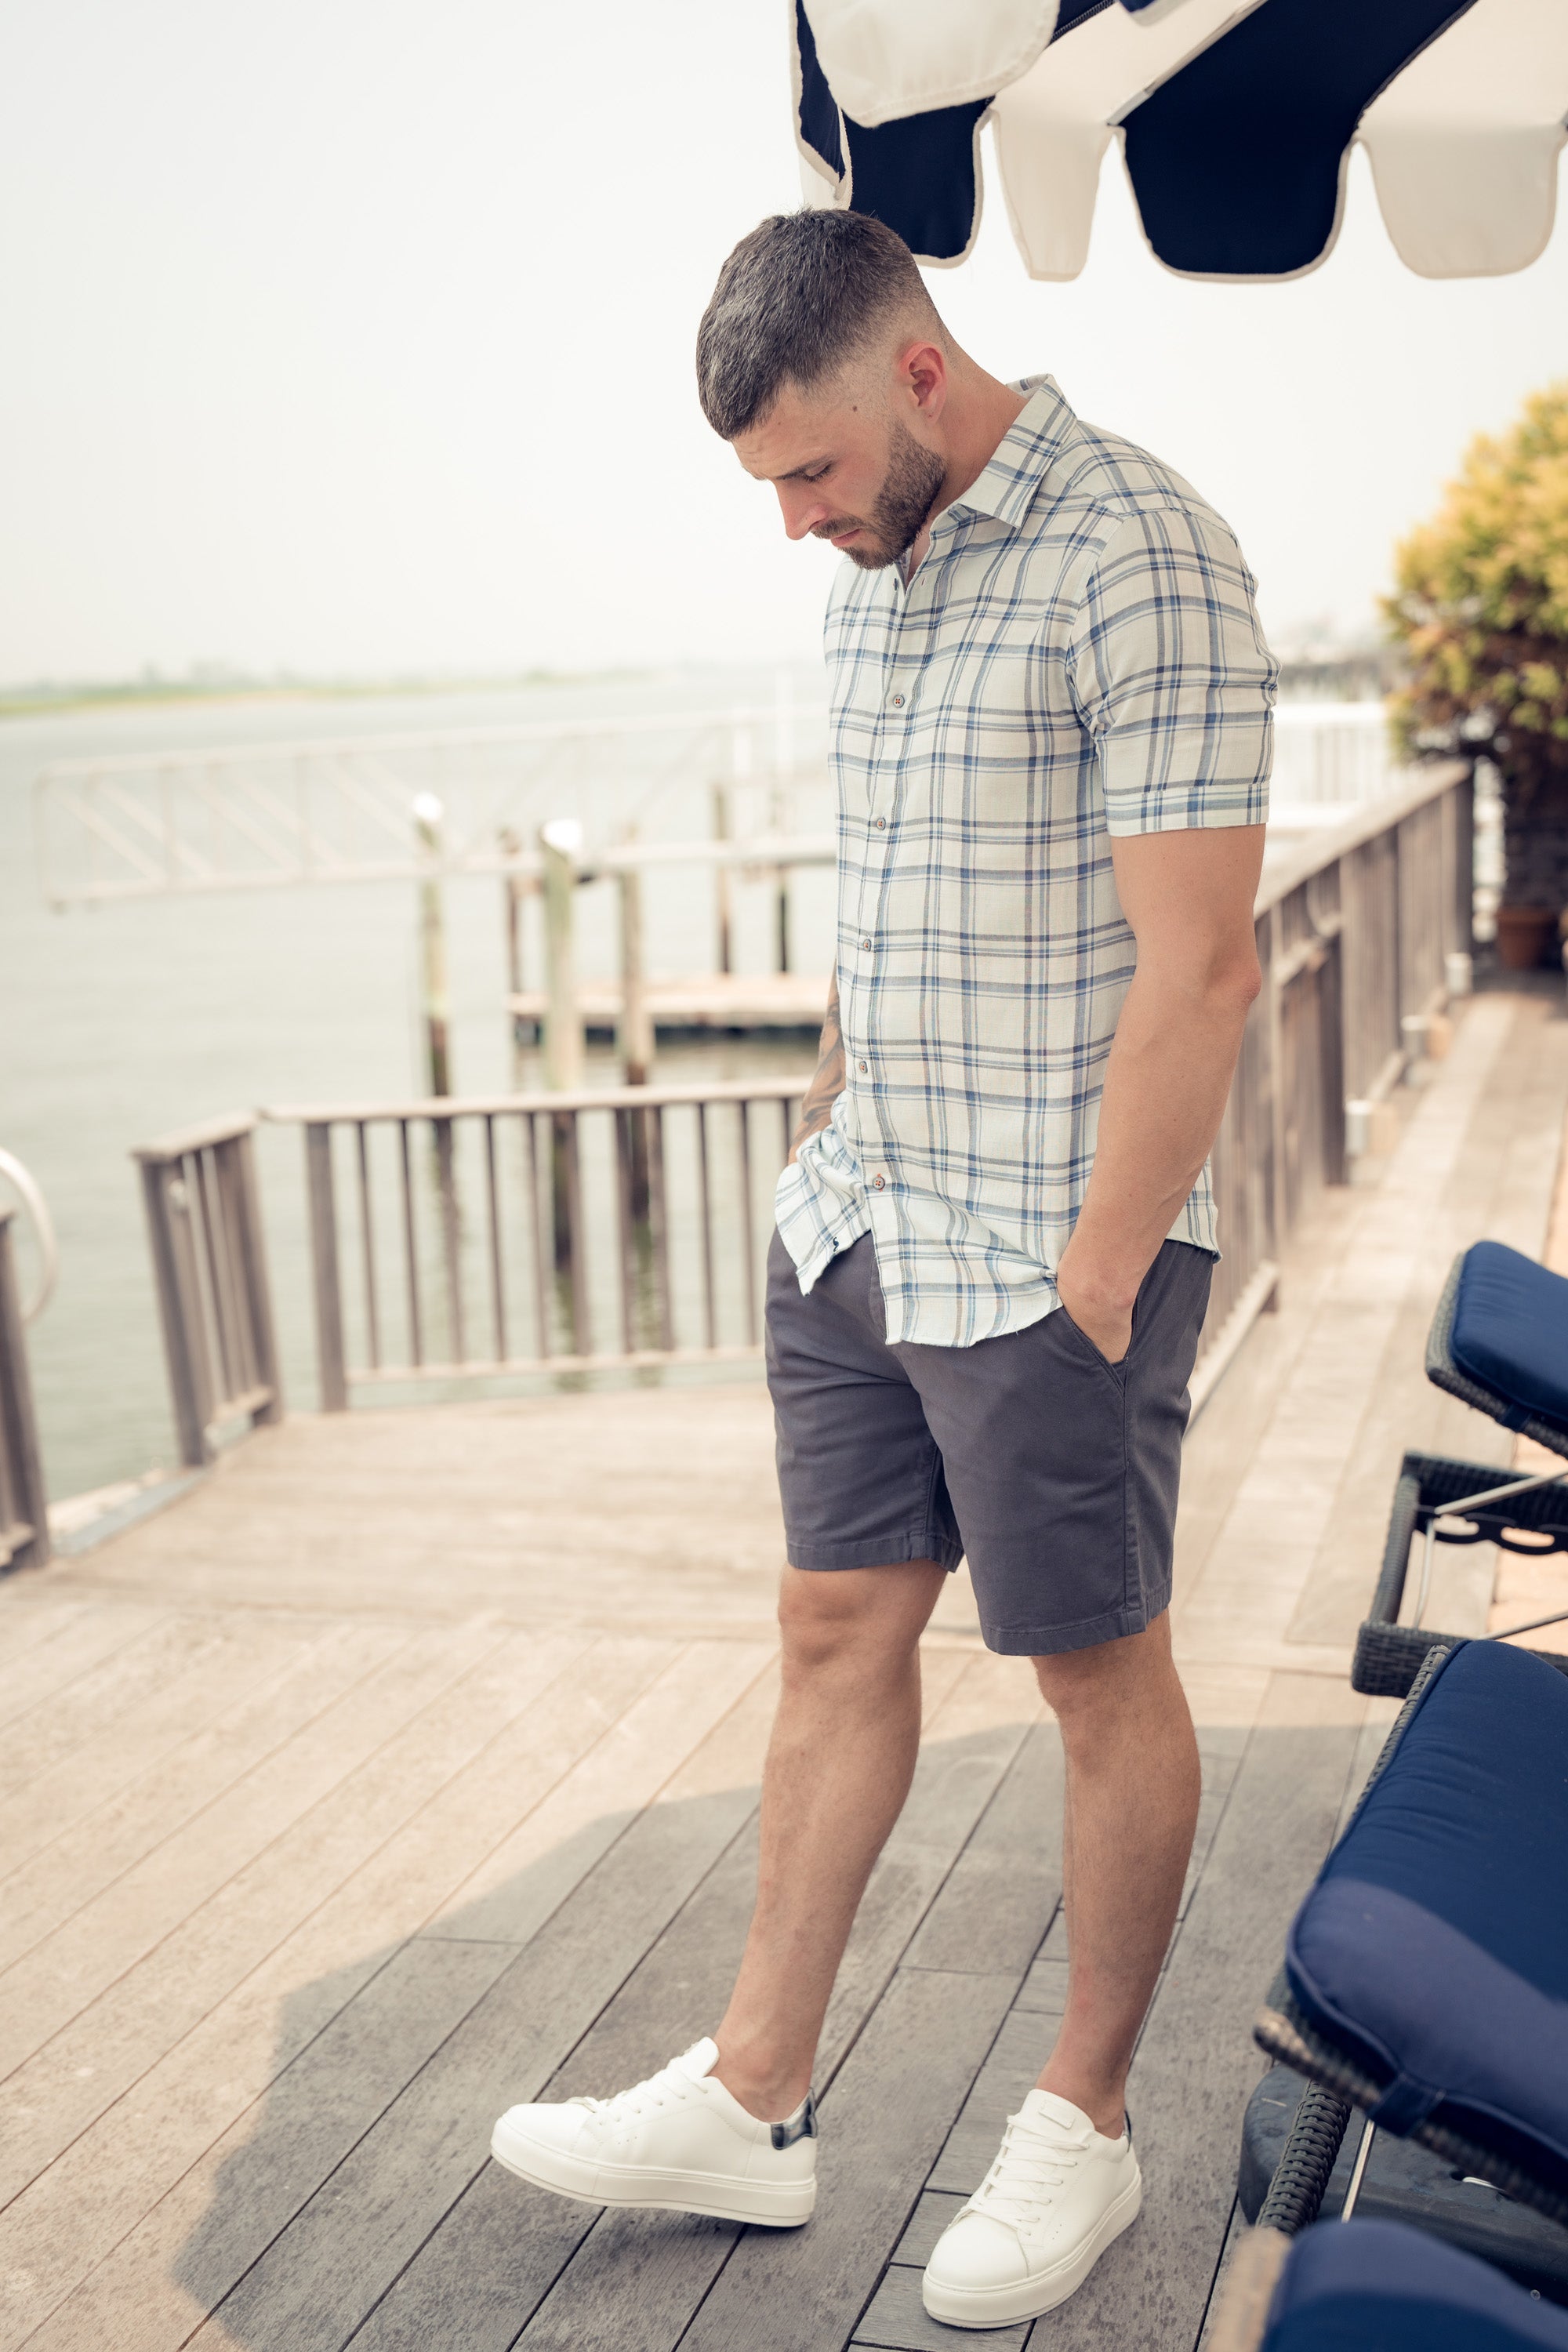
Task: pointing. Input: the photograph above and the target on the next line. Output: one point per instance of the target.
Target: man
(1051, 736)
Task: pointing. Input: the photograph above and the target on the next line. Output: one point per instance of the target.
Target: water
(121, 1022)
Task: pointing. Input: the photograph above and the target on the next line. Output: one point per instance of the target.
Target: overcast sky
(346, 337)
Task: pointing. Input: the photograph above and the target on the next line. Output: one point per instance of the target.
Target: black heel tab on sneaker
(802, 2124)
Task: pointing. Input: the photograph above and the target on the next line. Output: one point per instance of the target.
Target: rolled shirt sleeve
(1172, 677)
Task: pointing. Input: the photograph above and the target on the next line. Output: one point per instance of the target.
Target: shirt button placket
(871, 873)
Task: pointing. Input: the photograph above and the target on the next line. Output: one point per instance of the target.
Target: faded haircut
(800, 296)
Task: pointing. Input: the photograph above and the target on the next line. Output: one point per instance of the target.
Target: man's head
(822, 358)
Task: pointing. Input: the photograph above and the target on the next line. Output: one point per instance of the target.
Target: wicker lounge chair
(1500, 1342)
(1426, 1972)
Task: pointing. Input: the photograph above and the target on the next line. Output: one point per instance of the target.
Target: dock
(408, 1768)
(704, 1003)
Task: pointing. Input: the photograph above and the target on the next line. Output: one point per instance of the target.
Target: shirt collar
(1007, 485)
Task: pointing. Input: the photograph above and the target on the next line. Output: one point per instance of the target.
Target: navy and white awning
(1235, 123)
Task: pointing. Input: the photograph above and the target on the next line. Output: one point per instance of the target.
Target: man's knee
(1091, 1690)
(853, 1617)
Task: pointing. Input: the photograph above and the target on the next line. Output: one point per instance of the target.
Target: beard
(901, 507)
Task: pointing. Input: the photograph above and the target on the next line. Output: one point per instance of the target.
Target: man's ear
(921, 374)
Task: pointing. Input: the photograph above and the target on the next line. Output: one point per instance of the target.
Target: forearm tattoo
(816, 1104)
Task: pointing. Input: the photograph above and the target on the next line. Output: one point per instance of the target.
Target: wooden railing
(24, 1508)
(1363, 934)
(561, 1232)
(209, 1266)
(457, 1239)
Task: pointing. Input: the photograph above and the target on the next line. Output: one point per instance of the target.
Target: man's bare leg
(1133, 1784)
(838, 1768)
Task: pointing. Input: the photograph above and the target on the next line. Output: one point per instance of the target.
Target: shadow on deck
(393, 2069)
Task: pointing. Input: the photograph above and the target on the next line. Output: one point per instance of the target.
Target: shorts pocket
(1117, 1372)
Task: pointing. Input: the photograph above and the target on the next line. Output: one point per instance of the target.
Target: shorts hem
(888, 1551)
(1087, 1633)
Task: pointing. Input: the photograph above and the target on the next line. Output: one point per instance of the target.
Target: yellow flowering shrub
(1480, 606)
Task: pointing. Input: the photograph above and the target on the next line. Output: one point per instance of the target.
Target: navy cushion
(1511, 1330)
(1434, 1945)
(1377, 2286)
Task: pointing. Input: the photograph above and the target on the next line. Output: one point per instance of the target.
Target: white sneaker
(680, 2141)
(1057, 2194)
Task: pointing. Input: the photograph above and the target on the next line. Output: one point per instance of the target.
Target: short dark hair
(801, 294)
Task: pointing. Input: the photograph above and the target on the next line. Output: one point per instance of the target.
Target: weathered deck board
(222, 1667)
(334, 1951)
(326, 1837)
(39, 1673)
(52, 1887)
(36, 1612)
(218, 1856)
(122, 1683)
(514, 1889)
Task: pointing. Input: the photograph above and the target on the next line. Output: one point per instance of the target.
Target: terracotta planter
(1526, 937)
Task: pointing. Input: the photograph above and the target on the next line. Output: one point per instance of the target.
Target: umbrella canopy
(1235, 123)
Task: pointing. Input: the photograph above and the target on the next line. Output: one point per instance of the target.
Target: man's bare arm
(816, 1104)
(1189, 898)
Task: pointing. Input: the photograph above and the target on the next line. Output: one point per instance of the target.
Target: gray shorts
(1054, 1471)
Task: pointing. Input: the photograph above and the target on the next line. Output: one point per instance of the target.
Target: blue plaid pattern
(1079, 655)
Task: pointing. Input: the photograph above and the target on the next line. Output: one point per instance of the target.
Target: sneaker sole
(1030, 2298)
(782, 2205)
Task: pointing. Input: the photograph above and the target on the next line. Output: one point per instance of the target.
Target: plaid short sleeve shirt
(1078, 656)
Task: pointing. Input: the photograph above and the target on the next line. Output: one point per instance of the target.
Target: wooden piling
(561, 844)
(436, 1008)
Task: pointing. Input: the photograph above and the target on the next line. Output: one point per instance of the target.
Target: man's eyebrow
(796, 472)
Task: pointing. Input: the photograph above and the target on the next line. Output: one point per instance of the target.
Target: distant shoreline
(43, 700)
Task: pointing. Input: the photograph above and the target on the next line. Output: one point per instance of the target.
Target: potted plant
(1480, 609)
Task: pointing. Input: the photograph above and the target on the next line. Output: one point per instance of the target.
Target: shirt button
(881, 824)
(861, 1066)
(898, 702)
(864, 943)
(877, 1183)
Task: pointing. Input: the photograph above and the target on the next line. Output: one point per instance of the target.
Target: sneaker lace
(1031, 2165)
(669, 2087)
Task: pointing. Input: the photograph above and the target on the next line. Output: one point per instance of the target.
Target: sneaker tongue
(1045, 2108)
(699, 2060)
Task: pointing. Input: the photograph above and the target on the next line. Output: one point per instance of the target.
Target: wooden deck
(408, 1768)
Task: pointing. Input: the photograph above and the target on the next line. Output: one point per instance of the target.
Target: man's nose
(800, 515)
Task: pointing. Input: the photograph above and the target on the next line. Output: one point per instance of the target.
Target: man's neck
(980, 413)
(979, 416)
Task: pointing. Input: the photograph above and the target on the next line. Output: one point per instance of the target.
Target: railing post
(1332, 1065)
(1462, 801)
(1274, 1065)
(179, 1305)
(327, 1281)
(451, 1236)
(24, 1504)
(237, 1179)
